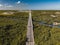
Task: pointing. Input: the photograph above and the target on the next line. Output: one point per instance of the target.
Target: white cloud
(18, 2)
(9, 6)
(5, 5)
(17, 6)
(1, 5)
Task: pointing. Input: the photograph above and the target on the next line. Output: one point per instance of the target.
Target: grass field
(13, 27)
(43, 33)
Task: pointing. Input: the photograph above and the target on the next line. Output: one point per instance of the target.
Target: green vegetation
(44, 34)
(13, 29)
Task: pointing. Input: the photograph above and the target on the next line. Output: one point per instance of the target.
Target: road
(30, 36)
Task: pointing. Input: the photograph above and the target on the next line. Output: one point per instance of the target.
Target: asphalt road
(30, 36)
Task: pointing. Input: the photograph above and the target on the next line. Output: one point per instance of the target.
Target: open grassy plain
(13, 28)
(45, 33)
(46, 25)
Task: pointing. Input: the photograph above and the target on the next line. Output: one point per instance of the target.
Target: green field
(43, 33)
(13, 27)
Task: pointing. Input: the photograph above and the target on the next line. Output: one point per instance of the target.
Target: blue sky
(30, 4)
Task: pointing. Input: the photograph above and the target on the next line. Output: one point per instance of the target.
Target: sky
(30, 4)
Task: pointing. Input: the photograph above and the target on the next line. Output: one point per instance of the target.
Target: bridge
(30, 36)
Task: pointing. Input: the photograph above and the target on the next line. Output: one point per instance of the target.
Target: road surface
(30, 36)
